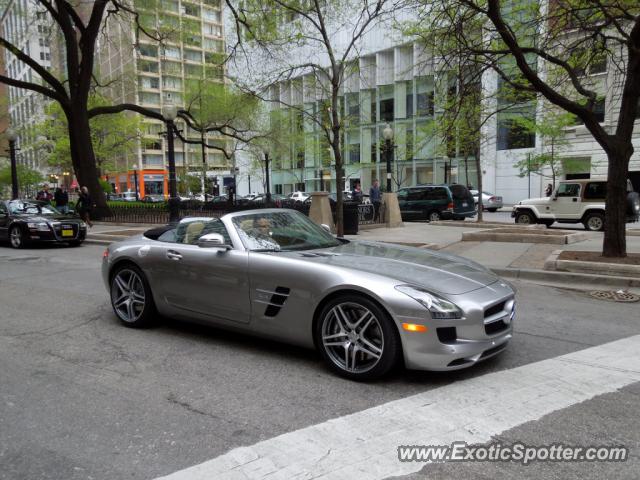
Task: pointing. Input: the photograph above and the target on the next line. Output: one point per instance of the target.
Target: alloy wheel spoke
(334, 344)
(341, 318)
(131, 312)
(121, 300)
(121, 284)
(366, 314)
(366, 325)
(346, 357)
(335, 335)
(372, 349)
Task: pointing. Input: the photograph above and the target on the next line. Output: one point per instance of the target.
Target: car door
(566, 203)
(210, 282)
(4, 221)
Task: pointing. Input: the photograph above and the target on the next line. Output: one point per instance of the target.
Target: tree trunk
(615, 241)
(83, 157)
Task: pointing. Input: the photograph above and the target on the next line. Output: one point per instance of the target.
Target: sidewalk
(515, 260)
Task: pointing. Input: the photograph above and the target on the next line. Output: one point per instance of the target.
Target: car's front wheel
(357, 339)
(131, 297)
(594, 222)
(492, 210)
(17, 237)
(525, 218)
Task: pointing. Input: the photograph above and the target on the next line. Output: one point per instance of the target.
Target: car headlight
(41, 227)
(437, 306)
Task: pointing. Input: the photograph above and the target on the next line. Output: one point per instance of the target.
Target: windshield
(19, 207)
(281, 231)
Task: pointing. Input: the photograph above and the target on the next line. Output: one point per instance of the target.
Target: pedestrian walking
(549, 190)
(84, 205)
(376, 198)
(356, 194)
(44, 195)
(61, 197)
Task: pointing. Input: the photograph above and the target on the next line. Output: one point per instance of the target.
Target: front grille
(447, 334)
(494, 309)
(495, 327)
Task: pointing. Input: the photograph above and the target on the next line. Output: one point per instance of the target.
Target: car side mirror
(326, 227)
(213, 240)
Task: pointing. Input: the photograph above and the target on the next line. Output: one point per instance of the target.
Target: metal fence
(159, 213)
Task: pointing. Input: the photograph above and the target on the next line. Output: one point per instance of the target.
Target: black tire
(381, 332)
(547, 223)
(594, 222)
(17, 237)
(434, 216)
(492, 210)
(143, 313)
(633, 204)
(525, 218)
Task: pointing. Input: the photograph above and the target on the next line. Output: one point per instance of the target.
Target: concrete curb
(566, 277)
(554, 263)
(508, 234)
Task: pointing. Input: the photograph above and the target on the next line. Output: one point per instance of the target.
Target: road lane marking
(364, 445)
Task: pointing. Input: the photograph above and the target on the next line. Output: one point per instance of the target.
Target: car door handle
(173, 255)
(575, 199)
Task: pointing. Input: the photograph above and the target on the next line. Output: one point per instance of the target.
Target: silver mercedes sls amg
(365, 306)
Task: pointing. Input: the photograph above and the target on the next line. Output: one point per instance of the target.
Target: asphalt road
(83, 397)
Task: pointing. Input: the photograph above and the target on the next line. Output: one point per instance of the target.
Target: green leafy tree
(284, 39)
(212, 107)
(29, 180)
(548, 50)
(112, 136)
(550, 131)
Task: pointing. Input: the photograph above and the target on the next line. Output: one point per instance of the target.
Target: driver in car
(259, 235)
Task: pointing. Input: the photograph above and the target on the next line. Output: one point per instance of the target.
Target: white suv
(298, 196)
(574, 201)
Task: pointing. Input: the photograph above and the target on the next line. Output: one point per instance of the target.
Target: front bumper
(56, 235)
(483, 332)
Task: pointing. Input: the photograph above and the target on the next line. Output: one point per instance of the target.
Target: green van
(435, 202)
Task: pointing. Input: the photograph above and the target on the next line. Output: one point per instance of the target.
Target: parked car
(25, 221)
(435, 202)
(276, 199)
(153, 199)
(128, 197)
(574, 201)
(490, 201)
(298, 196)
(275, 273)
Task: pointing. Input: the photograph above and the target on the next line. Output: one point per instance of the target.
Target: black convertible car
(25, 221)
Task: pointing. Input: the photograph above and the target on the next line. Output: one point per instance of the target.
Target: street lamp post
(387, 134)
(170, 112)
(135, 179)
(12, 136)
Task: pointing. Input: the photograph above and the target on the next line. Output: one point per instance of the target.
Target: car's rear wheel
(525, 218)
(434, 216)
(17, 238)
(356, 338)
(594, 222)
(131, 297)
(492, 210)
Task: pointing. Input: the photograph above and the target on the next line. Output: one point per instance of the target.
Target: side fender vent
(277, 300)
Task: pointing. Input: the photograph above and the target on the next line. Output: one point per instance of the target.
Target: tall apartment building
(399, 83)
(26, 26)
(153, 75)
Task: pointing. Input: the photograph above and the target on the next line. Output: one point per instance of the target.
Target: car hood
(535, 201)
(45, 218)
(432, 270)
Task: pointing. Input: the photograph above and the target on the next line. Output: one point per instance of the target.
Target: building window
(424, 97)
(386, 103)
(353, 108)
(148, 50)
(512, 134)
(409, 104)
(278, 188)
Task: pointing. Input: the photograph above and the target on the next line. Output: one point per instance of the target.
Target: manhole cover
(615, 296)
